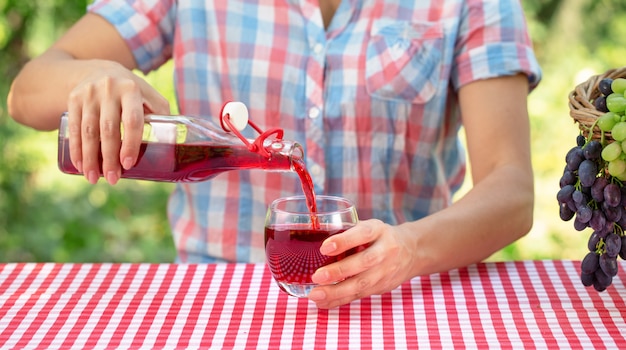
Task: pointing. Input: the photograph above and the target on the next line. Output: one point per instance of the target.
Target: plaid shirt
(372, 99)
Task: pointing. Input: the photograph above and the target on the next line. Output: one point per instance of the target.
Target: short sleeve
(494, 41)
(146, 25)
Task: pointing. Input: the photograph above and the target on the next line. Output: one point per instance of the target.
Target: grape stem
(618, 230)
(590, 132)
(600, 249)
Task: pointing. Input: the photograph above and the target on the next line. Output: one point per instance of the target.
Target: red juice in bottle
(185, 162)
(187, 149)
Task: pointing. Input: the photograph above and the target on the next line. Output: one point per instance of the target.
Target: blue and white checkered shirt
(372, 99)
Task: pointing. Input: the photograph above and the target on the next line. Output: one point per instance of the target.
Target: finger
(348, 266)
(352, 260)
(110, 140)
(154, 102)
(90, 141)
(331, 296)
(74, 127)
(133, 122)
(362, 234)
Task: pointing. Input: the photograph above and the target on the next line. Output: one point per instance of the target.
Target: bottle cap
(237, 114)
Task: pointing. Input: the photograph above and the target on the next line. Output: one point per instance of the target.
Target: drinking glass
(294, 234)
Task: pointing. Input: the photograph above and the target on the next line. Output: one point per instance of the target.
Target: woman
(375, 91)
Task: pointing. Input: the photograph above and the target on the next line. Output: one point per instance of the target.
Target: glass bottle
(189, 149)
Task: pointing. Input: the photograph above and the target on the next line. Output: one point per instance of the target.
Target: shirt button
(314, 112)
(318, 48)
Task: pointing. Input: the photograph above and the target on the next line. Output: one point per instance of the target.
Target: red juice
(293, 251)
(169, 162)
(307, 188)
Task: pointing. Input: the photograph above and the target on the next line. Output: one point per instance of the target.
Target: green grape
(608, 120)
(623, 147)
(612, 151)
(617, 167)
(619, 131)
(618, 85)
(616, 102)
(621, 177)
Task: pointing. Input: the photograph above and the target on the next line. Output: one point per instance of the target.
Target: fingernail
(328, 247)
(317, 295)
(92, 177)
(112, 177)
(128, 163)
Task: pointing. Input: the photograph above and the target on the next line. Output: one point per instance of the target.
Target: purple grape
(590, 263)
(565, 212)
(579, 225)
(578, 197)
(587, 172)
(622, 252)
(594, 239)
(622, 220)
(612, 194)
(602, 280)
(584, 214)
(605, 86)
(609, 226)
(572, 205)
(608, 265)
(603, 233)
(613, 245)
(588, 279)
(600, 104)
(612, 214)
(623, 192)
(598, 221)
(597, 190)
(565, 194)
(592, 150)
(574, 158)
(568, 178)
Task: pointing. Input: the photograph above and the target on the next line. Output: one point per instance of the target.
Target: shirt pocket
(404, 60)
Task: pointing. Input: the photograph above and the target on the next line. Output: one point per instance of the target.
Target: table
(530, 304)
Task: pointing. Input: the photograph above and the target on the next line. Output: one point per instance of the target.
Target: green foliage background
(49, 216)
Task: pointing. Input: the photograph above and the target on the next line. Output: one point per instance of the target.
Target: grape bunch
(593, 187)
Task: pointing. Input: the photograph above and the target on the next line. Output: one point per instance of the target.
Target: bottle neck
(285, 149)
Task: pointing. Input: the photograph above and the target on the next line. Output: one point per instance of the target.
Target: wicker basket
(581, 107)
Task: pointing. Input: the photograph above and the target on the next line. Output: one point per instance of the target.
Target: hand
(109, 96)
(386, 263)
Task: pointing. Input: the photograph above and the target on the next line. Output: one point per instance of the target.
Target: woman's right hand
(109, 99)
(88, 72)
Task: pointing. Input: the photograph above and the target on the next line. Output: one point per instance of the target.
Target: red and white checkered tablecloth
(531, 304)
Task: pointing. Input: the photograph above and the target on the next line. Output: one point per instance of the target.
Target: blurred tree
(562, 27)
(47, 216)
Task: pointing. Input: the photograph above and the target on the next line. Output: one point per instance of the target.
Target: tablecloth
(530, 304)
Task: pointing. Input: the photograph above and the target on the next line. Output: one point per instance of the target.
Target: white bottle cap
(238, 114)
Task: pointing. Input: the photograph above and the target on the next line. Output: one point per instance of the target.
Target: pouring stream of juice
(307, 188)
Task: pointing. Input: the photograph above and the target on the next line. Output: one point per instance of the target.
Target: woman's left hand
(386, 263)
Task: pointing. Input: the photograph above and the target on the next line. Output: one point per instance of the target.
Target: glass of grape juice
(294, 232)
